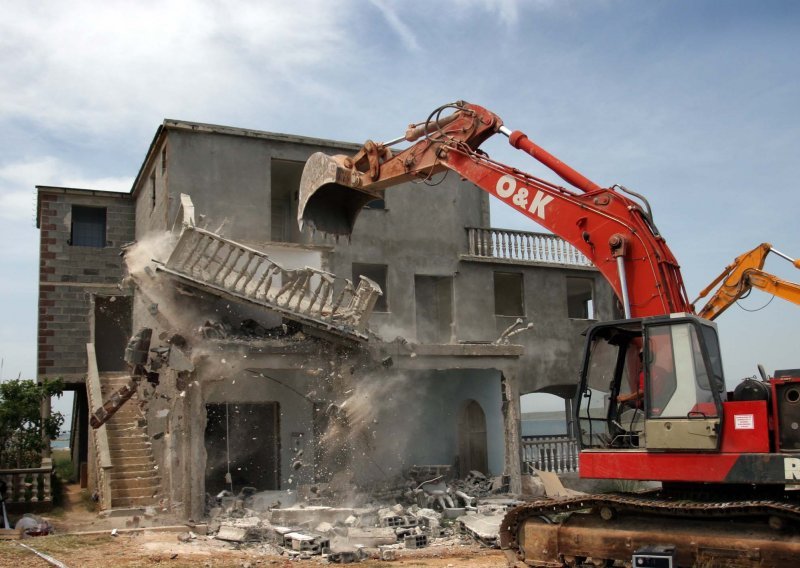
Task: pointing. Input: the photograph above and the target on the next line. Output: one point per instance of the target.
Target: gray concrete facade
(439, 300)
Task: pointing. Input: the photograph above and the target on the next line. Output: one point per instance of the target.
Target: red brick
(44, 197)
(46, 303)
(46, 333)
(48, 240)
(47, 255)
(46, 288)
(49, 227)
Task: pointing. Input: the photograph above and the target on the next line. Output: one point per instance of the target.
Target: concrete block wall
(70, 276)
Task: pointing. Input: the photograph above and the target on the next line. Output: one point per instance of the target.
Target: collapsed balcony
(310, 296)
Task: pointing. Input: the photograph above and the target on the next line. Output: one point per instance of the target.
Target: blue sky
(692, 103)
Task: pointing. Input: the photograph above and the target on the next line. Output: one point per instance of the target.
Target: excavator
(745, 273)
(651, 403)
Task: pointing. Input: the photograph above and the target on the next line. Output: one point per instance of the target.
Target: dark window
(376, 273)
(284, 184)
(434, 299)
(88, 227)
(376, 204)
(508, 295)
(163, 161)
(580, 300)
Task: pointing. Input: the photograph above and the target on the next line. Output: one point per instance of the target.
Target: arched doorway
(472, 451)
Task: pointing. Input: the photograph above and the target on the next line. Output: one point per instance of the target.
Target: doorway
(243, 439)
(472, 445)
(112, 329)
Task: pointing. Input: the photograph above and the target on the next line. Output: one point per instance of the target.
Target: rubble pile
(434, 511)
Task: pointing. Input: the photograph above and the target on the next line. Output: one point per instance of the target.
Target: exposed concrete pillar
(512, 427)
(196, 466)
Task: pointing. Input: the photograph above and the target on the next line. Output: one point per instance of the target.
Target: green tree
(21, 424)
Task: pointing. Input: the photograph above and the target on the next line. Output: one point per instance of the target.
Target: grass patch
(62, 463)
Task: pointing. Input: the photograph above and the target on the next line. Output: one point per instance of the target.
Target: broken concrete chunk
(324, 528)
(371, 537)
(232, 534)
(307, 543)
(483, 528)
(416, 541)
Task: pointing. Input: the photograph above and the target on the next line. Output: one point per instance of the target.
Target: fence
(30, 485)
(558, 454)
(523, 246)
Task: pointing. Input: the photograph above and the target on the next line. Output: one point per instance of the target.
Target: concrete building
(292, 404)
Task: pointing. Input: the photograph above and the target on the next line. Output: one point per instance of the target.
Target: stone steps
(131, 502)
(135, 481)
(150, 484)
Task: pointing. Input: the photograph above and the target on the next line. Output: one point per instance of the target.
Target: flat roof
(204, 128)
(58, 190)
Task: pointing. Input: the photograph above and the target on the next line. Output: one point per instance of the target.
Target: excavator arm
(615, 231)
(742, 275)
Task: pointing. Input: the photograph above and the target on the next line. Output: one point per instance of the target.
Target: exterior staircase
(135, 481)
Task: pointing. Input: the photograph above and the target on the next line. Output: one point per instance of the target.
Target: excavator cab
(651, 384)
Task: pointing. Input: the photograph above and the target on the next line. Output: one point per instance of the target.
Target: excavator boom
(615, 231)
(742, 275)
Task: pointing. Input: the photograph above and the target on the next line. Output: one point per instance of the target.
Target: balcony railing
(28, 485)
(522, 246)
(558, 454)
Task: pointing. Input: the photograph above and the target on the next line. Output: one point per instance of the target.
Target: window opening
(508, 294)
(88, 227)
(153, 190)
(580, 298)
(284, 186)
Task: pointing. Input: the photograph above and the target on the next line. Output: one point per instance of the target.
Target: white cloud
(403, 31)
(18, 180)
(98, 66)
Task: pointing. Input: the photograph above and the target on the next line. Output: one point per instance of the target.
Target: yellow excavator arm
(744, 274)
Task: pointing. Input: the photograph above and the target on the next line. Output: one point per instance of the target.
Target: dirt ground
(154, 548)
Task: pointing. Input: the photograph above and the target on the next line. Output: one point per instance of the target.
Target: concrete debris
(343, 535)
(416, 541)
(371, 537)
(483, 528)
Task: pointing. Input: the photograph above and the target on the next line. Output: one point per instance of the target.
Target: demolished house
(219, 349)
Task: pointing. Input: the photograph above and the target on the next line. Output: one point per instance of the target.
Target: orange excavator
(741, 276)
(732, 456)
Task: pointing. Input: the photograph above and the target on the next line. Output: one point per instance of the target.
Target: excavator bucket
(329, 200)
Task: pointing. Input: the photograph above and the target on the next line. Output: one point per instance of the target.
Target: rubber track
(652, 506)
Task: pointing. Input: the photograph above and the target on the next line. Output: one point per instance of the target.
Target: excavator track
(605, 530)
